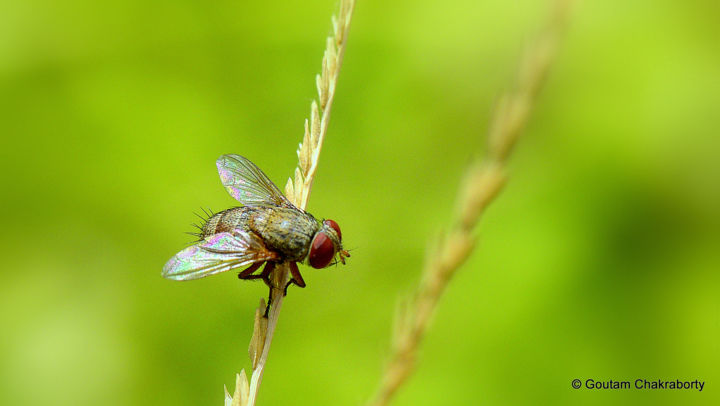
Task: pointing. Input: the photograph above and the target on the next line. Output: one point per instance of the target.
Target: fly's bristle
(208, 213)
(204, 217)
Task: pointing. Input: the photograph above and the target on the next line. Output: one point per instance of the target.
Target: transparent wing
(248, 184)
(217, 253)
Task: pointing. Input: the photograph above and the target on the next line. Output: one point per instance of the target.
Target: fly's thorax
(288, 231)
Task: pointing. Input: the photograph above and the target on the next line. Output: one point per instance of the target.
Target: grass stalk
(483, 181)
(297, 190)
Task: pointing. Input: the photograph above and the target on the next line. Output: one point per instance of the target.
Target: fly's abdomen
(225, 221)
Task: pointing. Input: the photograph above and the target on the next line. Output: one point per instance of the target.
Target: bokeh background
(600, 259)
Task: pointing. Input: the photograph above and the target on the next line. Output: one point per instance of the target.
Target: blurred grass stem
(483, 181)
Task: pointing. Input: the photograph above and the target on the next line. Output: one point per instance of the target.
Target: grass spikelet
(482, 182)
(297, 189)
(316, 128)
(242, 390)
(257, 342)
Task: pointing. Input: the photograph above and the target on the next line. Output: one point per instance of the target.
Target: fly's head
(326, 244)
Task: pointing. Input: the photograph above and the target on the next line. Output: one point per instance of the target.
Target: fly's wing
(248, 184)
(217, 253)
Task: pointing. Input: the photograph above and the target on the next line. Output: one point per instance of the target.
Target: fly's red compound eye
(322, 251)
(335, 227)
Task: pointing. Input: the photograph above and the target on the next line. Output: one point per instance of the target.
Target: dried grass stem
(297, 190)
(482, 182)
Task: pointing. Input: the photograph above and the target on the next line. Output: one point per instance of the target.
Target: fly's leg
(265, 275)
(296, 277)
(247, 273)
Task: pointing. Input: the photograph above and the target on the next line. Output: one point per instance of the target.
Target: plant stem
(298, 191)
(280, 274)
(483, 182)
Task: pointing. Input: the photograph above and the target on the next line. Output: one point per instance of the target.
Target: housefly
(266, 229)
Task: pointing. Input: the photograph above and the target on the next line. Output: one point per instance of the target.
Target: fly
(266, 229)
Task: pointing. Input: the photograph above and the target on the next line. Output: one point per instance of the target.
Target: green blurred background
(600, 259)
